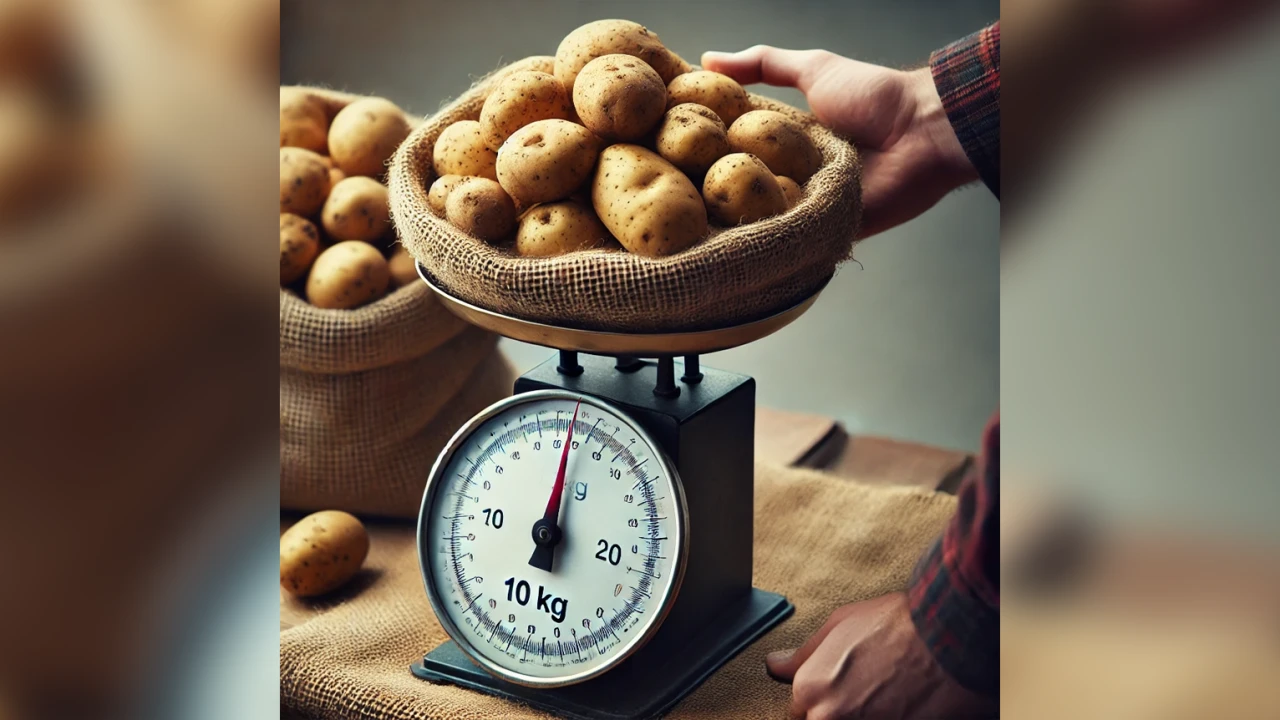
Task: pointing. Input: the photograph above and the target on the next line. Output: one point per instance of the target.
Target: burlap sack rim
(410, 182)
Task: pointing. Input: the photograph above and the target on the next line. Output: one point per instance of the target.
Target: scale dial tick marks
(604, 594)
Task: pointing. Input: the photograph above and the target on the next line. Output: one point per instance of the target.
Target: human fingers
(782, 664)
(769, 65)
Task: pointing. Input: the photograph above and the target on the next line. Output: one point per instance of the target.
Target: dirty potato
(365, 134)
(779, 141)
(461, 150)
(440, 190)
(646, 202)
(721, 93)
(739, 189)
(303, 121)
(482, 209)
(402, 267)
(692, 138)
(790, 189)
(559, 228)
(304, 181)
(519, 99)
(614, 37)
(357, 209)
(347, 275)
(619, 97)
(546, 160)
(321, 553)
(299, 246)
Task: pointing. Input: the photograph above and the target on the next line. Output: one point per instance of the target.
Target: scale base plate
(645, 686)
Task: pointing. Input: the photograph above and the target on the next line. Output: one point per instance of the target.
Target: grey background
(907, 345)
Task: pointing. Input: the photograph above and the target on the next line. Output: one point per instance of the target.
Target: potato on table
(347, 275)
(321, 553)
(519, 99)
(779, 141)
(357, 209)
(547, 160)
(440, 190)
(559, 228)
(461, 150)
(365, 134)
(304, 181)
(646, 202)
(482, 209)
(303, 121)
(614, 37)
(692, 138)
(721, 93)
(619, 97)
(299, 246)
(739, 189)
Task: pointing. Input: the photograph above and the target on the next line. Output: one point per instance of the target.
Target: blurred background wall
(907, 345)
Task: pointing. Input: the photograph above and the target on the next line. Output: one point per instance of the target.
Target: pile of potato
(624, 143)
(335, 223)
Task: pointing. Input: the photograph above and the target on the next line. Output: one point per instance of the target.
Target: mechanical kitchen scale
(587, 542)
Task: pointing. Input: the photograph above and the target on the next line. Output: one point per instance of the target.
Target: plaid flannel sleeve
(967, 75)
(955, 590)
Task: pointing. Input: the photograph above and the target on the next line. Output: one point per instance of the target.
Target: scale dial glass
(615, 571)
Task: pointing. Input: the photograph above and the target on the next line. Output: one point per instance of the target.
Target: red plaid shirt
(955, 589)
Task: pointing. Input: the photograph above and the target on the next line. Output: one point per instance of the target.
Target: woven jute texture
(734, 275)
(368, 397)
(820, 540)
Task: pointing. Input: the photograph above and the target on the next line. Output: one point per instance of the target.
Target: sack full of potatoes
(375, 375)
(614, 187)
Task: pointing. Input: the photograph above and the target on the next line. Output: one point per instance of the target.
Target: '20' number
(611, 554)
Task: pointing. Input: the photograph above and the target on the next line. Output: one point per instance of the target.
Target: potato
(347, 275)
(739, 189)
(440, 190)
(404, 271)
(303, 122)
(559, 228)
(721, 93)
(336, 176)
(692, 138)
(519, 99)
(461, 150)
(646, 202)
(777, 140)
(481, 208)
(619, 97)
(304, 181)
(357, 209)
(299, 246)
(365, 134)
(790, 189)
(322, 552)
(614, 37)
(547, 160)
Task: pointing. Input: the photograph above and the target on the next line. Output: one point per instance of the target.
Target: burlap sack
(368, 397)
(820, 540)
(735, 275)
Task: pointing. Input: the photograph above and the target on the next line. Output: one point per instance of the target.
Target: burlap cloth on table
(821, 540)
(734, 275)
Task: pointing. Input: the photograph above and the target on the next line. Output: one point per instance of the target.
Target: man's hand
(910, 155)
(867, 661)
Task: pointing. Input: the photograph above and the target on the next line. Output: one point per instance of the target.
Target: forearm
(955, 589)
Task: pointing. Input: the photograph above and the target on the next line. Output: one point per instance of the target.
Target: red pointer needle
(553, 505)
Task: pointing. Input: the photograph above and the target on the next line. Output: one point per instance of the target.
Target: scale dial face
(615, 571)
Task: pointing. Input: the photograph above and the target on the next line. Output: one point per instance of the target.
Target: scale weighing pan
(597, 342)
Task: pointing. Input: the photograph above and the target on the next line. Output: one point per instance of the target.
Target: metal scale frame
(705, 422)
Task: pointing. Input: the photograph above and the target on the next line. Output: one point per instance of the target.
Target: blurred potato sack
(137, 371)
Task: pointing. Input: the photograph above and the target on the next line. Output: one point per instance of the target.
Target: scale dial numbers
(617, 566)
